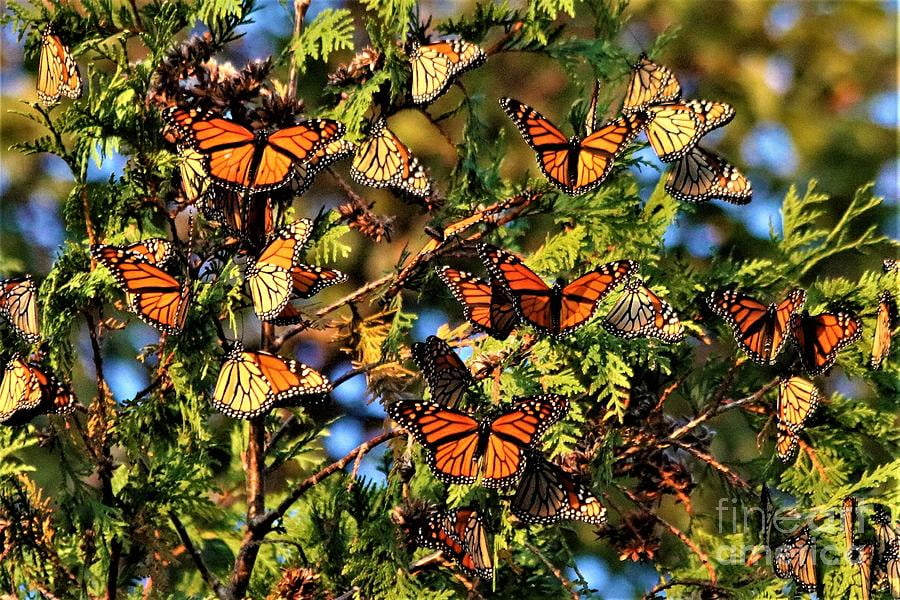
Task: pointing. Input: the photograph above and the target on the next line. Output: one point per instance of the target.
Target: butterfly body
(461, 534)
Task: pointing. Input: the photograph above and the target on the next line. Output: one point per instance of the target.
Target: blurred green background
(814, 85)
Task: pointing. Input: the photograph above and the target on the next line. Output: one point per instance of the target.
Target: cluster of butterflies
(673, 126)
(762, 331)
(226, 168)
(877, 559)
(515, 294)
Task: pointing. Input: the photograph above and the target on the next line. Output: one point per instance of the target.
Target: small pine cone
(359, 216)
(296, 584)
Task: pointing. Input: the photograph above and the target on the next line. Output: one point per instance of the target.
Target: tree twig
(556, 572)
(717, 408)
(264, 523)
(211, 580)
(679, 582)
(300, 8)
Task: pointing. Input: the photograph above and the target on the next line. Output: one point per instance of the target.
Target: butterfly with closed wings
(28, 390)
(19, 306)
(574, 165)
(57, 71)
(558, 310)
(701, 175)
(251, 383)
(383, 161)
(447, 375)
(459, 447)
(639, 312)
(795, 559)
(547, 494)
(798, 399)
(460, 533)
(885, 321)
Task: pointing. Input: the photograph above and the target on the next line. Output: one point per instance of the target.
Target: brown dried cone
(359, 216)
(296, 584)
(635, 539)
(358, 70)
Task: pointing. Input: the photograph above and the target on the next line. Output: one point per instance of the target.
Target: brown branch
(501, 43)
(733, 477)
(704, 558)
(349, 298)
(264, 523)
(300, 8)
(515, 207)
(211, 580)
(716, 408)
(88, 222)
(556, 572)
(700, 583)
(811, 453)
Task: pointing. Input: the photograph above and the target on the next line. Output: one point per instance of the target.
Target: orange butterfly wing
(581, 298)
(533, 298)
(884, 320)
(450, 438)
(156, 296)
(798, 398)
(485, 304)
(447, 376)
(520, 426)
(597, 151)
(552, 149)
(758, 329)
(310, 280)
(820, 337)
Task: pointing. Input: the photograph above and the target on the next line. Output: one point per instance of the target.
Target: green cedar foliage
(130, 474)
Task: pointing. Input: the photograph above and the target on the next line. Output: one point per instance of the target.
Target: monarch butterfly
(650, 84)
(383, 161)
(326, 155)
(796, 559)
(863, 556)
(759, 330)
(559, 310)
(435, 65)
(460, 533)
(27, 390)
(57, 72)
(674, 128)
(269, 275)
(194, 178)
(251, 383)
(574, 165)
(158, 251)
(889, 265)
(548, 494)
(885, 532)
(798, 399)
(153, 294)
(250, 161)
(641, 313)
(786, 443)
(274, 277)
(307, 281)
(848, 520)
(447, 376)
(485, 304)
(459, 447)
(701, 175)
(18, 305)
(885, 321)
(819, 338)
